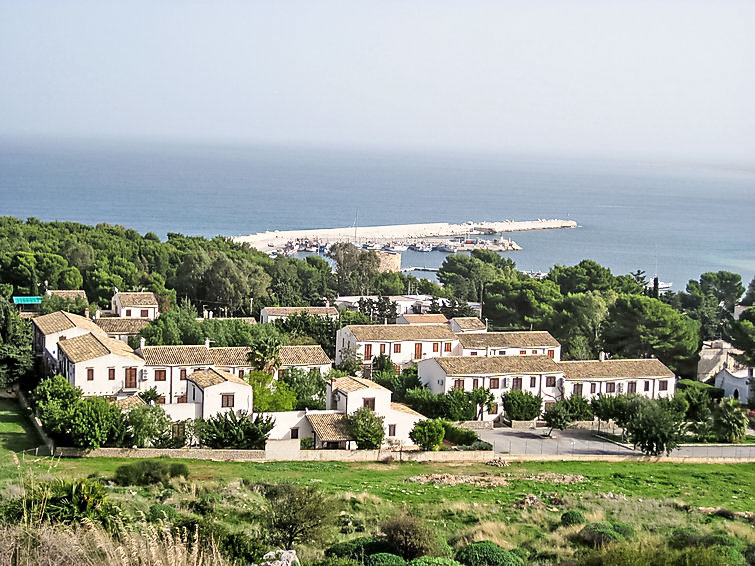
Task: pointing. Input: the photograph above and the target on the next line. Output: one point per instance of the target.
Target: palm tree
(263, 355)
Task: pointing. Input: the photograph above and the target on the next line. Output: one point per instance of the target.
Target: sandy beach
(399, 232)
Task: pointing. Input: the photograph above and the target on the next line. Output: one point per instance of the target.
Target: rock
(498, 463)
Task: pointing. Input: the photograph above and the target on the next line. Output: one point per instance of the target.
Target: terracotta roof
(329, 427)
(400, 332)
(68, 294)
(117, 325)
(306, 355)
(616, 369)
(533, 339)
(405, 409)
(208, 377)
(62, 320)
(469, 323)
(477, 365)
(425, 318)
(147, 299)
(177, 356)
(91, 346)
(231, 356)
(350, 383)
(285, 311)
(128, 403)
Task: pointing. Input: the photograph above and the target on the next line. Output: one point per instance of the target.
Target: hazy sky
(617, 77)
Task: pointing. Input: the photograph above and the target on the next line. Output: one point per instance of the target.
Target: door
(517, 384)
(418, 351)
(367, 352)
(130, 378)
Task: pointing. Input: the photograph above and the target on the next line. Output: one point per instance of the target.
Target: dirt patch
(482, 480)
(552, 477)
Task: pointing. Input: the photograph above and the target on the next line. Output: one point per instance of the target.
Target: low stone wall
(523, 425)
(476, 425)
(188, 453)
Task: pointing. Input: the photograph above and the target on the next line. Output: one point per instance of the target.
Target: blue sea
(684, 218)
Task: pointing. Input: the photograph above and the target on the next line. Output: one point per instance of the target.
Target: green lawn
(16, 432)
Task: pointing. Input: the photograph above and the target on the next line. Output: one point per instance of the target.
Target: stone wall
(188, 453)
(476, 425)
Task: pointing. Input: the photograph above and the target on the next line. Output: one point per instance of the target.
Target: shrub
(598, 534)
(148, 472)
(307, 444)
(459, 436)
(358, 548)
(428, 434)
(624, 529)
(148, 424)
(579, 408)
(242, 548)
(626, 553)
(384, 559)
(94, 421)
(411, 537)
(366, 428)
(477, 445)
(161, 512)
(573, 517)
(522, 406)
(684, 537)
(433, 561)
(235, 430)
(730, 555)
(721, 539)
(487, 553)
(729, 422)
(179, 469)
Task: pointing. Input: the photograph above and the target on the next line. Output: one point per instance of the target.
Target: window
(111, 374)
(159, 375)
(663, 385)
(241, 373)
(551, 353)
(495, 383)
(391, 430)
(578, 389)
(130, 378)
(367, 352)
(144, 313)
(418, 350)
(501, 352)
(458, 384)
(181, 399)
(550, 381)
(90, 374)
(517, 384)
(193, 394)
(505, 382)
(226, 400)
(183, 375)
(610, 387)
(632, 387)
(369, 403)
(436, 346)
(294, 433)
(128, 312)
(534, 352)
(475, 383)
(397, 348)
(447, 347)
(522, 352)
(493, 409)
(472, 353)
(647, 386)
(533, 381)
(161, 400)
(593, 387)
(382, 348)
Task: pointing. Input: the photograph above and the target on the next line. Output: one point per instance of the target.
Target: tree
(15, 346)
(148, 425)
(399, 384)
(579, 408)
(729, 422)
(428, 434)
(270, 395)
(557, 416)
(225, 285)
(603, 407)
(587, 275)
(355, 269)
(309, 387)
(94, 422)
(698, 401)
(522, 406)
(742, 335)
(411, 536)
(576, 321)
(366, 428)
(54, 400)
(642, 327)
(234, 430)
(297, 514)
(655, 428)
(520, 303)
(54, 303)
(321, 329)
(749, 299)
(482, 399)
(351, 363)
(263, 355)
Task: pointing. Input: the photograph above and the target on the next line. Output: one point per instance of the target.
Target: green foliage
(15, 346)
(579, 408)
(321, 329)
(486, 553)
(234, 430)
(521, 405)
(598, 534)
(148, 425)
(587, 276)
(271, 395)
(428, 434)
(412, 537)
(161, 512)
(366, 428)
(655, 427)
(150, 395)
(149, 472)
(400, 383)
(698, 400)
(576, 321)
(95, 422)
(457, 405)
(308, 387)
(573, 517)
(459, 436)
(263, 355)
(355, 269)
(358, 548)
(729, 422)
(381, 310)
(242, 548)
(54, 303)
(741, 333)
(433, 561)
(558, 416)
(296, 514)
(468, 276)
(385, 559)
(632, 554)
(520, 303)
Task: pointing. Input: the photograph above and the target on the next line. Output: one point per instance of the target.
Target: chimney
(142, 342)
(207, 343)
(602, 356)
(97, 314)
(86, 312)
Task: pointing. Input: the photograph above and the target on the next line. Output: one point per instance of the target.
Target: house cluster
(719, 365)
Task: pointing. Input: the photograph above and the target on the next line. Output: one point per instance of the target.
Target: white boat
(396, 248)
(422, 247)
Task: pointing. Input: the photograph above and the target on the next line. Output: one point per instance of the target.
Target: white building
(67, 294)
(135, 305)
(404, 344)
(305, 357)
(648, 377)
(738, 385)
(214, 391)
(50, 329)
(421, 319)
(530, 343)
(271, 314)
(121, 328)
(467, 324)
(717, 355)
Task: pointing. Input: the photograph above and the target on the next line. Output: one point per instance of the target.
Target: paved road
(583, 442)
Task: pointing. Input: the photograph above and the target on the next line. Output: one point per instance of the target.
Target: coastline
(402, 232)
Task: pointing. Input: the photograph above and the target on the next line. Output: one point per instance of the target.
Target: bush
(729, 422)
(235, 430)
(459, 436)
(626, 553)
(161, 512)
(358, 548)
(148, 472)
(598, 534)
(242, 548)
(579, 408)
(624, 529)
(94, 422)
(384, 559)
(148, 425)
(522, 406)
(412, 537)
(721, 539)
(684, 537)
(366, 428)
(428, 434)
(487, 553)
(573, 517)
(433, 561)
(730, 555)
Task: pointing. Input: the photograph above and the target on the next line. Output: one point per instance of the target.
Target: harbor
(438, 236)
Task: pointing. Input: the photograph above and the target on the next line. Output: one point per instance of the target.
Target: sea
(675, 219)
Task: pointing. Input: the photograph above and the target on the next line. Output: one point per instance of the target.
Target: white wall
(213, 398)
(100, 385)
(134, 312)
(491, 352)
(731, 383)
(345, 339)
(404, 424)
(286, 420)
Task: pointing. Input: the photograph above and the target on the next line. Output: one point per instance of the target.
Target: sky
(660, 78)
